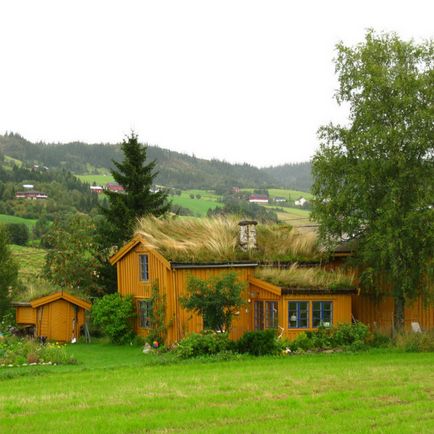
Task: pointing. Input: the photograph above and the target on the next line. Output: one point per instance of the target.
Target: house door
(59, 321)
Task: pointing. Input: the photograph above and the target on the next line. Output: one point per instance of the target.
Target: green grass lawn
(98, 179)
(198, 206)
(118, 389)
(13, 219)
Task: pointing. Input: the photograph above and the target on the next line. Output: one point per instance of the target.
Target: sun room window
(298, 314)
(322, 313)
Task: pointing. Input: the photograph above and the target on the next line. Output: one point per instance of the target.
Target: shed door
(59, 321)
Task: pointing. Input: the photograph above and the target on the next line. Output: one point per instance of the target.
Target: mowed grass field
(120, 390)
(13, 219)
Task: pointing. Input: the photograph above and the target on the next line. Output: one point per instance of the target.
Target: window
(298, 314)
(266, 315)
(322, 313)
(144, 314)
(143, 267)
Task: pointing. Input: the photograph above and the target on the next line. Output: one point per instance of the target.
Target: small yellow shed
(58, 316)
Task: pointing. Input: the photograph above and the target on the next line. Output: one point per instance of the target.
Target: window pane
(259, 315)
(303, 316)
(271, 314)
(145, 307)
(327, 313)
(292, 314)
(143, 267)
(316, 314)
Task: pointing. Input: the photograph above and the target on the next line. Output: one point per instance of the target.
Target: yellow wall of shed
(25, 315)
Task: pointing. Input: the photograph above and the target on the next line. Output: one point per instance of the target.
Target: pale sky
(241, 81)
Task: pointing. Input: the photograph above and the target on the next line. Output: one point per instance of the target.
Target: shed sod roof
(61, 295)
(215, 240)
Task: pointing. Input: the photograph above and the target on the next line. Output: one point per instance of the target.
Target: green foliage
(158, 330)
(70, 262)
(215, 299)
(114, 315)
(203, 344)
(15, 351)
(8, 272)
(18, 233)
(373, 179)
(416, 342)
(138, 200)
(259, 343)
(354, 337)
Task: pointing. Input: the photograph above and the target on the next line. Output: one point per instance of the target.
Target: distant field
(13, 219)
(273, 192)
(30, 260)
(198, 206)
(98, 179)
(118, 389)
(11, 160)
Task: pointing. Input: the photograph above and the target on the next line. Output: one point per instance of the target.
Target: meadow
(116, 389)
(13, 219)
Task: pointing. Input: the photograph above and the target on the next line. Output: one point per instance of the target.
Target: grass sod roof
(215, 240)
(303, 277)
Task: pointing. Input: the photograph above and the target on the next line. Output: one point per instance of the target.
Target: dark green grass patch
(118, 389)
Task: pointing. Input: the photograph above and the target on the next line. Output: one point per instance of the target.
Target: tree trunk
(398, 315)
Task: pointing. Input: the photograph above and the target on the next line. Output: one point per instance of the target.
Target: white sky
(243, 81)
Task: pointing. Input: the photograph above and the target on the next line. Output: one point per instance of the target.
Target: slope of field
(13, 219)
(30, 260)
(117, 389)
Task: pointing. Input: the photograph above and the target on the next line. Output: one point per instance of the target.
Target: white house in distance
(258, 198)
(96, 189)
(300, 202)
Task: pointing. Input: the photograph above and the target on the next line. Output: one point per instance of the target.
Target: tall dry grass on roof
(282, 242)
(191, 240)
(301, 277)
(216, 240)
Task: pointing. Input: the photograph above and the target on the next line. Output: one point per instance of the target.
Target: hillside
(175, 169)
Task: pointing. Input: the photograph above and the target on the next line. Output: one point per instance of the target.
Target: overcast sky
(243, 81)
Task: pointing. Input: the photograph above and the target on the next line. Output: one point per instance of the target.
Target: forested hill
(175, 169)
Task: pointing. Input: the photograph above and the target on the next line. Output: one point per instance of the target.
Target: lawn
(13, 219)
(101, 180)
(199, 207)
(118, 389)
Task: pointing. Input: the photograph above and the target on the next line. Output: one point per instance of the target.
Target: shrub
(114, 314)
(259, 343)
(15, 351)
(18, 233)
(350, 336)
(416, 342)
(203, 344)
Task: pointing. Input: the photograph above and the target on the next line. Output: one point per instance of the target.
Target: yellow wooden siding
(25, 315)
(378, 313)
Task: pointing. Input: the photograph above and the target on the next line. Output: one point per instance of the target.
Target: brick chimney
(247, 239)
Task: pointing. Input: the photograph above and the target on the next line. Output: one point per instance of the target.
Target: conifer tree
(136, 176)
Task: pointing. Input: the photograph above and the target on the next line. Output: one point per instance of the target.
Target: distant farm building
(114, 186)
(31, 194)
(258, 198)
(28, 186)
(57, 317)
(96, 189)
(279, 199)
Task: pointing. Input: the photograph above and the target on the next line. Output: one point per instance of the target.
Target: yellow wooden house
(289, 310)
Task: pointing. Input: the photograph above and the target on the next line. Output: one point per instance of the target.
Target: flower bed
(23, 352)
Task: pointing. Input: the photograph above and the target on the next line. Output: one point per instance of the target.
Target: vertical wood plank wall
(378, 313)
